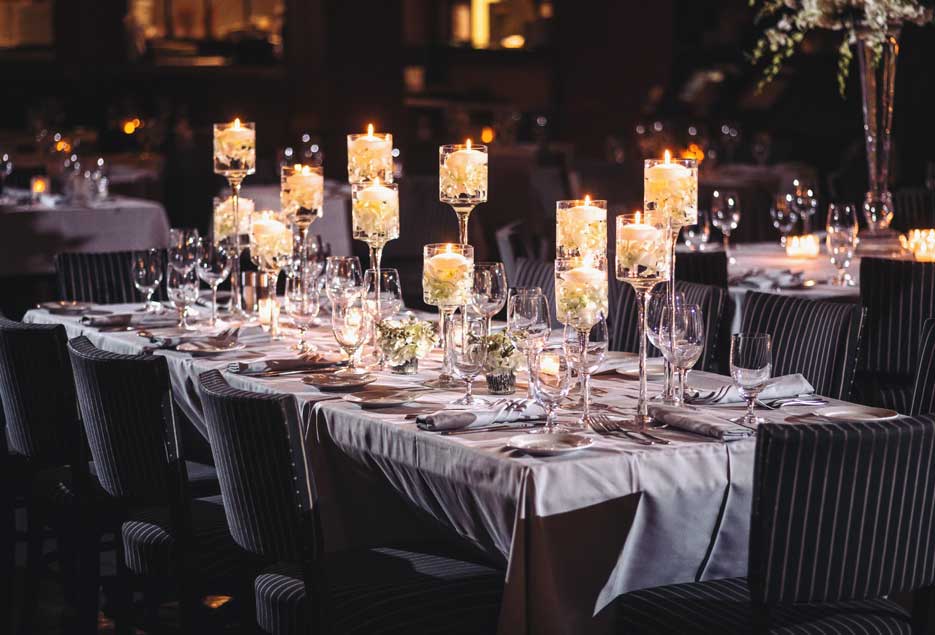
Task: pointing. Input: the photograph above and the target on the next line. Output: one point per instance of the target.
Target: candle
(672, 188)
(304, 187)
(580, 227)
(920, 243)
(805, 246)
(581, 291)
(272, 241)
(462, 174)
(235, 147)
(447, 274)
(267, 311)
(642, 246)
(375, 212)
(460, 162)
(38, 185)
(549, 364)
(370, 156)
(224, 217)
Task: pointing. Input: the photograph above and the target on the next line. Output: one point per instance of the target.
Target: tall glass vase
(878, 83)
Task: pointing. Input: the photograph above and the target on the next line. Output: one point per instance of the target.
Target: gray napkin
(127, 319)
(777, 388)
(458, 419)
(699, 421)
(313, 362)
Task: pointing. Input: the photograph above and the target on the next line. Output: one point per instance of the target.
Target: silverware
(618, 425)
(604, 425)
(450, 433)
(712, 397)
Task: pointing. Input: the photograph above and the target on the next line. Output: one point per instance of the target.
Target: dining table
(571, 532)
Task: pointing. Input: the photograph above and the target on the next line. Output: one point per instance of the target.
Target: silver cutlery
(710, 398)
(603, 425)
(617, 425)
(496, 428)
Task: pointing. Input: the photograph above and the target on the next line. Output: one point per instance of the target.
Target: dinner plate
(655, 369)
(206, 348)
(65, 305)
(855, 413)
(322, 381)
(382, 397)
(549, 443)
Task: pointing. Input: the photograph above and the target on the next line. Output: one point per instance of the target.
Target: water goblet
(490, 289)
(271, 250)
(529, 325)
(784, 215)
(183, 293)
(350, 325)
(147, 275)
(598, 342)
(551, 380)
(695, 236)
(725, 215)
(214, 265)
(343, 278)
(462, 180)
(303, 308)
(470, 354)
(684, 348)
(841, 240)
(384, 298)
(183, 249)
(750, 368)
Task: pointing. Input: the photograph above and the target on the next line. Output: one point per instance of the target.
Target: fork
(617, 425)
(712, 397)
(604, 426)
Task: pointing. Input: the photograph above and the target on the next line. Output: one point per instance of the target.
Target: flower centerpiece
(404, 342)
(224, 218)
(501, 363)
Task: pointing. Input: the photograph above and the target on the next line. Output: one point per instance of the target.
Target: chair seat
(383, 591)
(723, 607)
(149, 544)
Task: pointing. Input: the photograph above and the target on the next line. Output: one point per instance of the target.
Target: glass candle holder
(643, 261)
(370, 156)
(580, 228)
(270, 250)
(375, 216)
(301, 193)
(462, 180)
(447, 282)
(223, 226)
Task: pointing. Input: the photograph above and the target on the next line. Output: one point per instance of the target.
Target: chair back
(253, 443)
(102, 277)
(819, 339)
(842, 511)
(702, 267)
(530, 272)
(923, 390)
(126, 408)
(913, 207)
(38, 392)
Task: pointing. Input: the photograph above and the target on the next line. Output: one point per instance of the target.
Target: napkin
(312, 361)
(457, 419)
(703, 422)
(764, 281)
(777, 388)
(127, 319)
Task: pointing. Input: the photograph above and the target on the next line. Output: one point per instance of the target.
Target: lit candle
(272, 240)
(447, 277)
(224, 217)
(305, 187)
(805, 246)
(642, 247)
(375, 211)
(461, 162)
(38, 185)
(267, 311)
(235, 147)
(638, 232)
(549, 364)
(581, 291)
(370, 156)
(921, 243)
(580, 227)
(671, 187)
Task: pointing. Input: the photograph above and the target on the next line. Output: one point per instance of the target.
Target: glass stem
(530, 370)
(751, 406)
(680, 391)
(214, 304)
(550, 420)
(583, 337)
(726, 243)
(447, 342)
(236, 298)
(273, 305)
(376, 255)
(642, 409)
(668, 395)
(464, 214)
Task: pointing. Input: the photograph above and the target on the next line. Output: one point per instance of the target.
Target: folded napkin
(780, 387)
(458, 419)
(127, 319)
(312, 361)
(764, 281)
(704, 422)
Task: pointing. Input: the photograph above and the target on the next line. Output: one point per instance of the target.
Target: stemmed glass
(725, 215)
(183, 249)
(490, 289)
(528, 325)
(147, 275)
(271, 250)
(806, 203)
(841, 240)
(447, 282)
(235, 159)
(301, 197)
(750, 368)
(343, 278)
(470, 354)
(688, 342)
(303, 307)
(183, 293)
(551, 381)
(695, 236)
(598, 342)
(784, 215)
(581, 302)
(656, 313)
(643, 262)
(350, 325)
(214, 265)
(580, 227)
(462, 180)
(384, 298)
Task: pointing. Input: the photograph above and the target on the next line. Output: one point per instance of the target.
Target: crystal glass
(235, 159)
(551, 381)
(580, 228)
(303, 308)
(725, 215)
(447, 282)
(656, 312)
(343, 278)
(696, 236)
(223, 226)
(271, 250)
(370, 157)
(375, 218)
(643, 261)
(841, 240)
(183, 293)
(384, 298)
(684, 348)
(750, 368)
(581, 301)
(147, 275)
(184, 245)
(490, 289)
(462, 180)
(469, 354)
(213, 267)
(350, 325)
(805, 202)
(528, 325)
(598, 342)
(784, 215)
(301, 193)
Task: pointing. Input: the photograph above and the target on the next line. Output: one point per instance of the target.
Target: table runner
(572, 532)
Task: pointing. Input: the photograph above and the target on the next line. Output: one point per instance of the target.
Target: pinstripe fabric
(38, 391)
(913, 207)
(530, 272)
(923, 391)
(898, 398)
(702, 267)
(103, 277)
(819, 339)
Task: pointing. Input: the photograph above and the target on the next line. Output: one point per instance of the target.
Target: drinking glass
(683, 349)
(528, 325)
(384, 298)
(784, 215)
(447, 282)
(183, 249)
(462, 180)
(343, 278)
(551, 381)
(214, 265)
(750, 367)
(490, 289)
(303, 307)
(470, 354)
(656, 310)
(725, 215)
(147, 275)
(350, 325)
(806, 203)
(841, 240)
(270, 251)
(183, 293)
(696, 236)
(598, 342)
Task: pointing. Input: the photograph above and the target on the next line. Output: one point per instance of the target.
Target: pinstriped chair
(272, 510)
(923, 391)
(130, 422)
(530, 272)
(841, 519)
(819, 339)
(102, 277)
(899, 296)
(913, 207)
(702, 267)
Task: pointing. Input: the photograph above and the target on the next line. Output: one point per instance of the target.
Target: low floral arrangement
(502, 356)
(792, 20)
(224, 218)
(407, 339)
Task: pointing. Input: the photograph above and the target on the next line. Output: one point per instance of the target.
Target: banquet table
(571, 532)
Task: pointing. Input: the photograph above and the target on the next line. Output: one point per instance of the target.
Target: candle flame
(237, 123)
(587, 199)
(668, 156)
(376, 181)
(306, 170)
(449, 248)
(638, 214)
(370, 130)
(297, 166)
(467, 144)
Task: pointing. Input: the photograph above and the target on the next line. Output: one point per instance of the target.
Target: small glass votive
(235, 148)
(804, 246)
(301, 193)
(462, 174)
(38, 185)
(370, 156)
(670, 186)
(580, 227)
(375, 212)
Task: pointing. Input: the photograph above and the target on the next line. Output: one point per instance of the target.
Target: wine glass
(303, 308)
(696, 235)
(470, 354)
(343, 278)
(551, 381)
(684, 348)
(841, 239)
(214, 265)
(183, 293)
(6, 168)
(147, 275)
(658, 303)
(270, 251)
(183, 249)
(784, 215)
(805, 202)
(490, 289)
(528, 325)
(462, 180)
(750, 368)
(384, 298)
(725, 215)
(598, 343)
(350, 325)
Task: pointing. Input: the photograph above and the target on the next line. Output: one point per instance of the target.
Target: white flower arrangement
(303, 191)
(502, 356)
(643, 258)
(792, 20)
(235, 147)
(405, 339)
(581, 296)
(448, 282)
(375, 220)
(224, 217)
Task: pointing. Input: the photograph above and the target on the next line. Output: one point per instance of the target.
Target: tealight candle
(642, 248)
(370, 156)
(301, 193)
(271, 241)
(38, 185)
(549, 364)
(805, 246)
(235, 148)
(671, 187)
(375, 212)
(580, 228)
(224, 217)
